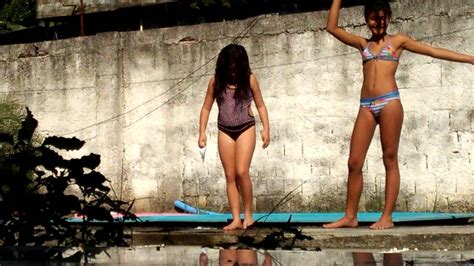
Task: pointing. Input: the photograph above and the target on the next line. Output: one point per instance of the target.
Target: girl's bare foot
(235, 224)
(248, 223)
(343, 222)
(382, 223)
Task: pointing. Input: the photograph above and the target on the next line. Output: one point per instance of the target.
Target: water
(330, 257)
(195, 255)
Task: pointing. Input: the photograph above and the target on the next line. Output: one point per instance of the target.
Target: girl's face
(378, 23)
(232, 72)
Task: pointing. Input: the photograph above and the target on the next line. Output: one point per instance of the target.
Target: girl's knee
(242, 173)
(230, 177)
(390, 158)
(355, 164)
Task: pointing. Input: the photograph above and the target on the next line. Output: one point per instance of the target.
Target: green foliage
(22, 12)
(40, 190)
(198, 4)
(11, 115)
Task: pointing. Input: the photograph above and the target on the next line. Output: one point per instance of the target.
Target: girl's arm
(338, 32)
(440, 53)
(262, 110)
(205, 110)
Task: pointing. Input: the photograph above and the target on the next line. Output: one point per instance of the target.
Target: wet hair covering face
(233, 68)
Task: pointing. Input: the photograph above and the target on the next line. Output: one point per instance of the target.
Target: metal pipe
(82, 18)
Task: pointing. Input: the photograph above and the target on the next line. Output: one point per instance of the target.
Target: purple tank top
(231, 113)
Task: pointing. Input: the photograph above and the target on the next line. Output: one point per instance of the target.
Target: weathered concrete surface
(135, 98)
(402, 237)
(65, 8)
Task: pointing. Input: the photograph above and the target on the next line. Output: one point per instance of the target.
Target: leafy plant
(285, 238)
(198, 4)
(22, 12)
(40, 191)
(11, 116)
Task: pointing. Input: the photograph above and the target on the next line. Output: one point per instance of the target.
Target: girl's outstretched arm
(205, 110)
(262, 110)
(440, 53)
(338, 32)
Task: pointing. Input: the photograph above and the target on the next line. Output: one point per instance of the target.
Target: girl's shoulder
(212, 79)
(253, 77)
(399, 37)
(211, 83)
(253, 81)
(398, 40)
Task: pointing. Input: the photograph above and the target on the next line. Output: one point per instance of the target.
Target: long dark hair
(233, 67)
(375, 6)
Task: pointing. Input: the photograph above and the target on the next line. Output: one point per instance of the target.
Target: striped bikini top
(387, 53)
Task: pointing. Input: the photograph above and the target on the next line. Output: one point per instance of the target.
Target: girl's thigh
(362, 133)
(245, 146)
(226, 146)
(391, 120)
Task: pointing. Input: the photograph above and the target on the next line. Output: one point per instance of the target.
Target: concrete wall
(136, 96)
(65, 8)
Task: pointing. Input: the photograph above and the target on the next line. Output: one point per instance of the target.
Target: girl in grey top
(234, 87)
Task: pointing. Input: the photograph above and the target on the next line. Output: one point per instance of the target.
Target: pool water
(195, 255)
(331, 257)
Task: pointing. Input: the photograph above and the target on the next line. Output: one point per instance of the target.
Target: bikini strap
(389, 41)
(368, 43)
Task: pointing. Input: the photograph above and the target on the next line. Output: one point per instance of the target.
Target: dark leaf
(64, 143)
(103, 235)
(51, 160)
(28, 127)
(4, 137)
(66, 204)
(92, 179)
(98, 213)
(90, 161)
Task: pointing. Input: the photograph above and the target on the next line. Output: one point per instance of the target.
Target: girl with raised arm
(234, 87)
(379, 103)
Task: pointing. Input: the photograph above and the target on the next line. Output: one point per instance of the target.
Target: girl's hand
(202, 140)
(472, 60)
(265, 138)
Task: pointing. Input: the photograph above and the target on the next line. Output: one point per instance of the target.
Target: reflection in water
(366, 258)
(197, 255)
(231, 257)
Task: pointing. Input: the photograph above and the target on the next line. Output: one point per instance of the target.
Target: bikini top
(387, 53)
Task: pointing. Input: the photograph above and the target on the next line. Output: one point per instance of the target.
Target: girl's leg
(246, 257)
(360, 141)
(203, 259)
(228, 257)
(391, 119)
(363, 258)
(226, 147)
(245, 146)
(393, 259)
